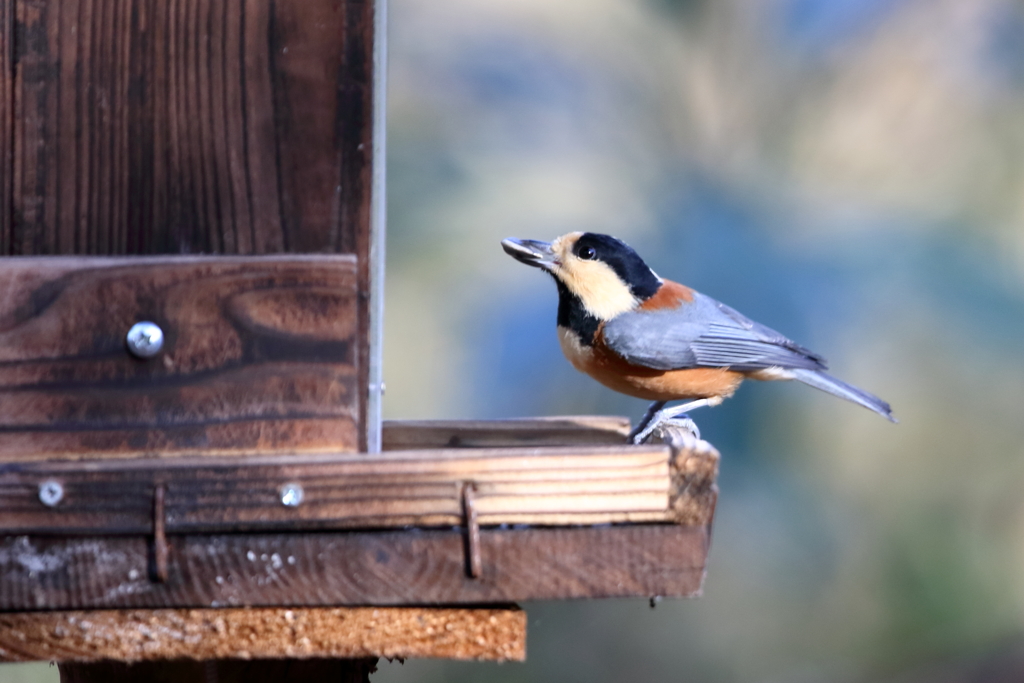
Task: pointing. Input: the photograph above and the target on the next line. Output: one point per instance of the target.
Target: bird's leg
(669, 415)
(645, 420)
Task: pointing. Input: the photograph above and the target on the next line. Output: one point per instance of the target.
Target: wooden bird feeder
(192, 461)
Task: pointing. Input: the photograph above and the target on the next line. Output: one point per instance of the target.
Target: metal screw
(145, 339)
(50, 493)
(291, 495)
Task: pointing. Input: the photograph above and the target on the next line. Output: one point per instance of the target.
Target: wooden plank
(552, 486)
(578, 430)
(211, 126)
(424, 567)
(6, 121)
(402, 488)
(259, 356)
(497, 634)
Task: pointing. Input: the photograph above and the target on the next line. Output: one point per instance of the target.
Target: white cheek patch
(601, 291)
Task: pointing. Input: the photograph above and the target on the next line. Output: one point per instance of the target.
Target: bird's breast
(579, 354)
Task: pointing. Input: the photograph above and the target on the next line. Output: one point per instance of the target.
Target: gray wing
(703, 333)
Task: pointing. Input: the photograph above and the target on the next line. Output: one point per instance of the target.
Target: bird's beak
(531, 252)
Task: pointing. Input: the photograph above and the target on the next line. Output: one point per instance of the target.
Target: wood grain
(6, 121)
(185, 127)
(414, 567)
(495, 634)
(578, 430)
(356, 110)
(552, 486)
(259, 356)
(192, 126)
(694, 468)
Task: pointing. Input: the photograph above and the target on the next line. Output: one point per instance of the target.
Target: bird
(651, 338)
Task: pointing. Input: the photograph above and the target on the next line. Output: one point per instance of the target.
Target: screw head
(50, 493)
(145, 339)
(291, 495)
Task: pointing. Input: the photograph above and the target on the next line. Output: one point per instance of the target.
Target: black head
(621, 258)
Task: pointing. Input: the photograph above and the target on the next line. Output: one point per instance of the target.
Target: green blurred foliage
(850, 172)
(38, 672)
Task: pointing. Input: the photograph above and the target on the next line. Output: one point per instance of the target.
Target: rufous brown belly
(614, 372)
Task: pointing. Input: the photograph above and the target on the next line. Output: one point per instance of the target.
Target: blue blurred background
(849, 172)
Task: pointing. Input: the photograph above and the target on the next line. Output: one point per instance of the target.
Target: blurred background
(849, 172)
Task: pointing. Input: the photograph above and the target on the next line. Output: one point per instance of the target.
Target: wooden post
(6, 122)
(223, 671)
(209, 127)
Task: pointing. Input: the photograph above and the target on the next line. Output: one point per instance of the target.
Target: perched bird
(655, 339)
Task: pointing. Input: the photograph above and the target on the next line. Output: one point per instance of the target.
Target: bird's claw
(684, 422)
(658, 416)
(660, 422)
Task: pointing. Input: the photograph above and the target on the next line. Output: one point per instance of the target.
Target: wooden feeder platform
(193, 557)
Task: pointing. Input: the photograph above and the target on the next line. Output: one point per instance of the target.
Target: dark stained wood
(6, 121)
(191, 126)
(424, 567)
(578, 430)
(225, 126)
(223, 671)
(599, 484)
(491, 633)
(259, 355)
(355, 108)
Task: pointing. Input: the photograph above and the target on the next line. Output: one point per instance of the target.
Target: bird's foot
(669, 417)
(652, 412)
(682, 422)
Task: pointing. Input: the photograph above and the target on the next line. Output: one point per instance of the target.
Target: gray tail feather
(837, 387)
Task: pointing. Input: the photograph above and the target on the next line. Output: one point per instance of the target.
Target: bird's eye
(587, 253)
